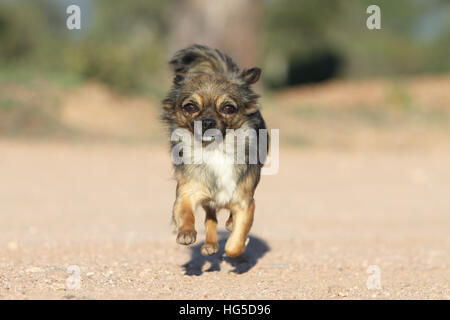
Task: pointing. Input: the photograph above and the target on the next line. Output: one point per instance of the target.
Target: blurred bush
(126, 44)
(120, 44)
(19, 27)
(414, 38)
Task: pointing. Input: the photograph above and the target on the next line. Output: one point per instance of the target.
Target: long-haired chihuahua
(210, 94)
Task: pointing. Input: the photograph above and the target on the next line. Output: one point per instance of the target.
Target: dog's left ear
(178, 79)
(250, 76)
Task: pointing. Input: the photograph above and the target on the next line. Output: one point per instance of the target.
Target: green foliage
(415, 35)
(124, 44)
(121, 44)
(299, 27)
(18, 29)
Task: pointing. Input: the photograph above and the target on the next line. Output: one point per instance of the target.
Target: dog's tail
(202, 59)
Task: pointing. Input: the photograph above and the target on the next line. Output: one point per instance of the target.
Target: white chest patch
(222, 165)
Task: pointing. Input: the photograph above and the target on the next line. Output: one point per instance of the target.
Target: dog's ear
(178, 79)
(250, 76)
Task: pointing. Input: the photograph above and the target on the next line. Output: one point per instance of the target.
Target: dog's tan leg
(183, 215)
(189, 195)
(242, 222)
(211, 246)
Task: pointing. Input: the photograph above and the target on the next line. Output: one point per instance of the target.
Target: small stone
(59, 287)
(34, 270)
(109, 273)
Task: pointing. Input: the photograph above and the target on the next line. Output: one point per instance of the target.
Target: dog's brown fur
(209, 85)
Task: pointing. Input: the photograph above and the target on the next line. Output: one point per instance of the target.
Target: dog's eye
(190, 108)
(228, 109)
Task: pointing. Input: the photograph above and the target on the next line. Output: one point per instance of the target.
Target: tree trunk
(231, 26)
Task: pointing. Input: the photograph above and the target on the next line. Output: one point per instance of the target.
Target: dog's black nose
(208, 124)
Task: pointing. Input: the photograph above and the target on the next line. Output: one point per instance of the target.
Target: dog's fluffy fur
(209, 87)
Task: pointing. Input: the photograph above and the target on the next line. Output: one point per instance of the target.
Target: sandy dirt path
(321, 224)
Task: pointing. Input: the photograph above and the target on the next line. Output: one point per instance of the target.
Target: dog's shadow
(255, 250)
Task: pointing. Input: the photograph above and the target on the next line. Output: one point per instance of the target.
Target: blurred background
(328, 81)
(364, 120)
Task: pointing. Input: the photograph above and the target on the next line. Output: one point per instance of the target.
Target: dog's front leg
(242, 222)
(211, 246)
(183, 215)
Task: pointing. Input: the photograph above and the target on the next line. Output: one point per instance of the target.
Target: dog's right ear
(178, 79)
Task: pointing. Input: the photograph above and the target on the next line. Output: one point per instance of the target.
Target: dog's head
(208, 93)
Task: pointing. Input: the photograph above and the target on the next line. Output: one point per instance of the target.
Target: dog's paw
(186, 237)
(235, 248)
(234, 251)
(208, 249)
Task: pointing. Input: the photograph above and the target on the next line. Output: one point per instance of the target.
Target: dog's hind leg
(229, 223)
(211, 246)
